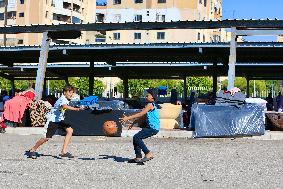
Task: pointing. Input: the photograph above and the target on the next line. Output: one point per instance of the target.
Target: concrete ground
(101, 162)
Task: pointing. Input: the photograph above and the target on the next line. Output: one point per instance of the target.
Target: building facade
(160, 11)
(27, 12)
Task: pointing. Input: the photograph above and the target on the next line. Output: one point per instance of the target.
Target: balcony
(63, 18)
(68, 6)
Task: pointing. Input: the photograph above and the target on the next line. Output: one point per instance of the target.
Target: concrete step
(269, 135)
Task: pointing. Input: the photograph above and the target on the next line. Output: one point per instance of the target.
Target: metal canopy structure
(162, 52)
(240, 24)
(262, 55)
(146, 60)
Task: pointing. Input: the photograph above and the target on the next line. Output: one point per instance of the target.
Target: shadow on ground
(115, 158)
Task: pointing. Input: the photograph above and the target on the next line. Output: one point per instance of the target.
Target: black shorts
(54, 126)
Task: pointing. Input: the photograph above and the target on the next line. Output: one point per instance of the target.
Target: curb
(269, 135)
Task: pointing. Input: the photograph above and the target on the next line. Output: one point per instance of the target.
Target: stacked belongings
(38, 111)
(230, 98)
(229, 117)
(15, 108)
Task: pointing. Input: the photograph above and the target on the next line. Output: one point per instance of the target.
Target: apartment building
(160, 11)
(27, 12)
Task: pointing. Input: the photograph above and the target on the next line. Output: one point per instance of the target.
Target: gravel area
(101, 162)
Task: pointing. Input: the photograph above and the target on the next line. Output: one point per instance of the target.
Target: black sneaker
(32, 155)
(68, 155)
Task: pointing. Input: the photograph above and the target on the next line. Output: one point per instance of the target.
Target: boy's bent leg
(51, 129)
(38, 144)
(67, 140)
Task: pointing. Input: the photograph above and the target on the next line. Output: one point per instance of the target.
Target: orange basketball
(110, 128)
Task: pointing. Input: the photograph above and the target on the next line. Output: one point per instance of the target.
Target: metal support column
(248, 87)
(91, 79)
(185, 89)
(232, 59)
(42, 66)
(126, 88)
(67, 81)
(13, 87)
(214, 85)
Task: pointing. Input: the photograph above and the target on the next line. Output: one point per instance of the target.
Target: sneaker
(68, 155)
(133, 161)
(32, 155)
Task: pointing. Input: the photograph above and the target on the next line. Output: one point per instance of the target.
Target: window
(138, 18)
(137, 36)
(204, 2)
(203, 38)
(200, 1)
(198, 36)
(20, 41)
(116, 36)
(115, 2)
(46, 14)
(161, 1)
(138, 1)
(160, 18)
(160, 35)
(22, 1)
(21, 14)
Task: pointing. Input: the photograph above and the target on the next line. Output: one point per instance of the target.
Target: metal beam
(144, 26)
(6, 76)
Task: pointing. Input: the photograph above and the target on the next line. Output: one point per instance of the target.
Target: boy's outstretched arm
(67, 107)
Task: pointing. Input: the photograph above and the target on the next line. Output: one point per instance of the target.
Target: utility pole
(5, 20)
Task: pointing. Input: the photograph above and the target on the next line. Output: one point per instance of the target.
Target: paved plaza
(101, 162)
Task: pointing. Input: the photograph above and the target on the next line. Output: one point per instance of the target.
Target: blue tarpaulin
(225, 121)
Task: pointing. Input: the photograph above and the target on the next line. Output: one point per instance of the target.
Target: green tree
(137, 86)
(5, 84)
(82, 84)
(241, 83)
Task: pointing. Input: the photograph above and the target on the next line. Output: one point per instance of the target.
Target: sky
(251, 9)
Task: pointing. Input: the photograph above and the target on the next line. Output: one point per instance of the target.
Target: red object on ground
(110, 128)
(14, 108)
(3, 125)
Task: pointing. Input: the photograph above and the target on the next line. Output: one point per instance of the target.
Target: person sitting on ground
(5, 96)
(151, 128)
(269, 104)
(55, 121)
(174, 96)
(279, 101)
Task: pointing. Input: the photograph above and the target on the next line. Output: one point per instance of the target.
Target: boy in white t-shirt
(55, 120)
